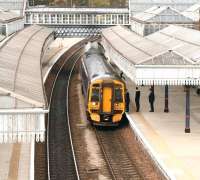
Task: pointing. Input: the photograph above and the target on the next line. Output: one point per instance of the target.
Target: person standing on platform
(122, 75)
(137, 99)
(151, 99)
(127, 98)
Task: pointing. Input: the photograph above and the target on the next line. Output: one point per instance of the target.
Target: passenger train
(102, 88)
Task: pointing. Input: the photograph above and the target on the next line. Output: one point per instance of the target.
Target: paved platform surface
(179, 152)
(55, 50)
(15, 161)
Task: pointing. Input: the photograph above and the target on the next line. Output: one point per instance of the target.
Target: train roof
(96, 66)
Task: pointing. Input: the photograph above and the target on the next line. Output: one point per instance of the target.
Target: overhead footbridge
(168, 57)
(77, 22)
(23, 102)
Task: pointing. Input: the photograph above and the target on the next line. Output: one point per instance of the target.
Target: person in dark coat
(122, 75)
(151, 99)
(137, 99)
(127, 99)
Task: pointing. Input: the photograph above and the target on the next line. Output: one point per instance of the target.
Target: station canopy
(192, 12)
(8, 16)
(141, 5)
(21, 83)
(161, 14)
(170, 56)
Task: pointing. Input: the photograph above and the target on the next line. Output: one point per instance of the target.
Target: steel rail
(69, 126)
(105, 155)
(48, 163)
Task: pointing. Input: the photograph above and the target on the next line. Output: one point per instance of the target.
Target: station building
(159, 17)
(193, 12)
(138, 6)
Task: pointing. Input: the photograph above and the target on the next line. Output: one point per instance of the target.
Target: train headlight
(118, 106)
(94, 103)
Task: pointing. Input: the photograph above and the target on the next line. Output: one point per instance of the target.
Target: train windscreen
(95, 95)
(118, 94)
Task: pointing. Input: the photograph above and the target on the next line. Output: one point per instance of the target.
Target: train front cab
(106, 103)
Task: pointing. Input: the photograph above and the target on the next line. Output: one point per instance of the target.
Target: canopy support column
(187, 110)
(166, 109)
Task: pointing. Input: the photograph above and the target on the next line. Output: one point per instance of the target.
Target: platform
(54, 52)
(15, 161)
(163, 133)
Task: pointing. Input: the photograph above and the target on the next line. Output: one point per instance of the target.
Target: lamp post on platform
(187, 110)
(166, 109)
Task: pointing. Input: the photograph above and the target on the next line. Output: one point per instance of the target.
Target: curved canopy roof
(20, 66)
(170, 56)
(184, 41)
(174, 41)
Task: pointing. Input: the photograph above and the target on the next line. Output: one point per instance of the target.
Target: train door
(107, 99)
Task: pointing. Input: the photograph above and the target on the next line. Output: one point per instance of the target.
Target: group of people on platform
(137, 99)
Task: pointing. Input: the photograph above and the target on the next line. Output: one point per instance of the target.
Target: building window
(53, 18)
(28, 18)
(71, 17)
(59, 18)
(83, 18)
(108, 19)
(77, 19)
(46, 18)
(40, 16)
(114, 19)
(34, 18)
(120, 19)
(65, 19)
(89, 19)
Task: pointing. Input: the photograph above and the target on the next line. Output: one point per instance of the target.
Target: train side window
(118, 95)
(95, 94)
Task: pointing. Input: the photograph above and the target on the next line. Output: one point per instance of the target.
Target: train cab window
(95, 95)
(118, 94)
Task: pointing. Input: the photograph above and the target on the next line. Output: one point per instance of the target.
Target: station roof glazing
(20, 66)
(142, 5)
(192, 12)
(161, 14)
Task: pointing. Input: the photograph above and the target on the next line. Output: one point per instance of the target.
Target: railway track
(41, 155)
(62, 164)
(118, 161)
